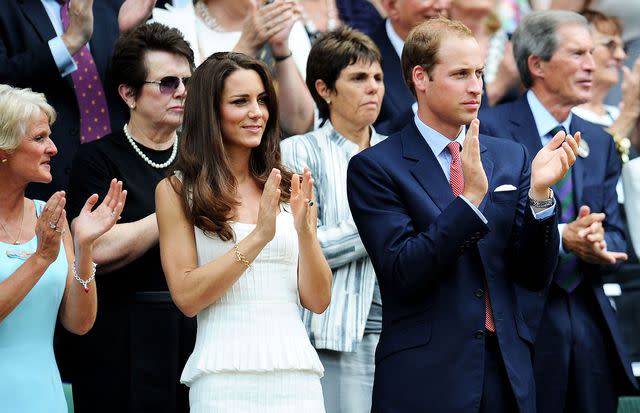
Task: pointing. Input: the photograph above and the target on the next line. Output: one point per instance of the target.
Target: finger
(90, 203)
(584, 211)
(51, 204)
(295, 185)
(573, 144)
(474, 129)
(591, 218)
(556, 141)
(57, 213)
(595, 237)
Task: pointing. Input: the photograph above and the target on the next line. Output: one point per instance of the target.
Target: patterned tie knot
(454, 150)
(557, 129)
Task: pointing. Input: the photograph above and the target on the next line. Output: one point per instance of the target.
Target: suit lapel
(34, 13)
(487, 164)
(578, 169)
(426, 170)
(523, 127)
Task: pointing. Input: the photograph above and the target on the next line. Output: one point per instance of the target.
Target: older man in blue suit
(450, 234)
(580, 361)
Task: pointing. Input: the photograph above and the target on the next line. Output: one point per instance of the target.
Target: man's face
(566, 78)
(407, 14)
(450, 96)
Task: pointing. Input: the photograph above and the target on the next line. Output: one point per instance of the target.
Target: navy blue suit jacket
(26, 61)
(594, 181)
(396, 111)
(432, 253)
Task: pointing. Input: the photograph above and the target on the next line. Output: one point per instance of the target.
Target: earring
(132, 106)
(328, 101)
(4, 160)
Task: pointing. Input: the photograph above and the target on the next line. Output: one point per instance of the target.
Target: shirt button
(479, 334)
(479, 293)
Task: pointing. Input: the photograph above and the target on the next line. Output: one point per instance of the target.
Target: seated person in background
(270, 32)
(450, 234)
(402, 16)
(345, 79)
(141, 340)
(45, 275)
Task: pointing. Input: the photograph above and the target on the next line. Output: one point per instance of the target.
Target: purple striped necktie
(567, 276)
(92, 103)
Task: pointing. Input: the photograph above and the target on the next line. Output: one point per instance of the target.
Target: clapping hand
(585, 238)
(305, 214)
(475, 179)
(51, 226)
(268, 23)
(552, 162)
(269, 206)
(92, 223)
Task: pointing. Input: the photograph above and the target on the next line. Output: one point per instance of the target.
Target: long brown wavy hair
(208, 186)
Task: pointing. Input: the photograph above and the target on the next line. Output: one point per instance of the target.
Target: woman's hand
(269, 206)
(90, 225)
(50, 227)
(265, 22)
(305, 214)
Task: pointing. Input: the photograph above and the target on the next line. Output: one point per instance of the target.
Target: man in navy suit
(403, 15)
(36, 52)
(580, 363)
(447, 253)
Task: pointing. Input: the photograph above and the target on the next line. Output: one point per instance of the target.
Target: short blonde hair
(17, 108)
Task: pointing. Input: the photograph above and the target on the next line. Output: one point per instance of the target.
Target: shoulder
(103, 148)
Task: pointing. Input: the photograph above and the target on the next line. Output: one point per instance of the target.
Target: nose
(181, 91)
(373, 85)
(442, 6)
(475, 85)
(589, 64)
(255, 111)
(619, 53)
(52, 149)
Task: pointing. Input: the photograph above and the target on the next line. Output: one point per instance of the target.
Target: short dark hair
(603, 23)
(423, 44)
(128, 61)
(331, 53)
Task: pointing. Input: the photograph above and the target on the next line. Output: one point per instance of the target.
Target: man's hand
(552, 163)
(134, 13)
(585, 238)
(475, 179)
(80, 25)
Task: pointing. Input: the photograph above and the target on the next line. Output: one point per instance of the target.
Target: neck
(11, 199)
(360, 135)
(558, 109)
(228, 14)
(158, 137)
(239, 162)
(399, 30)
(448, 131)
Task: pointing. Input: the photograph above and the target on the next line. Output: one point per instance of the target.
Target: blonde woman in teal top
(45, 275)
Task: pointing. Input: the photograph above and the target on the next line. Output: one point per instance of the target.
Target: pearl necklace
(207, 18)
(145, 157)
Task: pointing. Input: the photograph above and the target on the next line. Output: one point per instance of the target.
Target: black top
(95, 165)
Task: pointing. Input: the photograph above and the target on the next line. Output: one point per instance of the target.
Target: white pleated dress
(252, 353)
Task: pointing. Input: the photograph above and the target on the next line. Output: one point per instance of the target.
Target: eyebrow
(244, 95)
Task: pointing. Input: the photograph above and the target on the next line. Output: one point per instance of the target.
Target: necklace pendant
(16, 242)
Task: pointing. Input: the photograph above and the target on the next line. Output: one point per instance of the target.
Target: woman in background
(239, 247)
(345, 77)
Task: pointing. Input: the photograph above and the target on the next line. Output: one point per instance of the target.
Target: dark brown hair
(128, 61)
(208, 187)
(332, 52)
(423, 43)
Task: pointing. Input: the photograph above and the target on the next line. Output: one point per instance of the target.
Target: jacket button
(479, 293)
(479, 334)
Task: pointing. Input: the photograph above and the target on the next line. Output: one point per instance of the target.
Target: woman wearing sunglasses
(131, 361)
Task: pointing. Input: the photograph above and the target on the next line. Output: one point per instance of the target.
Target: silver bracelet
(545, 203)
(85, 283)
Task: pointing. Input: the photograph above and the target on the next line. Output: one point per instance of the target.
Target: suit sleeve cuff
(545, 213)
(476, 210)
(62, 57)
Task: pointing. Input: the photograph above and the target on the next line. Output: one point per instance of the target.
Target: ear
(420, 79)
(126, 93)
(536, 66)
(322, 89)
(391, 7)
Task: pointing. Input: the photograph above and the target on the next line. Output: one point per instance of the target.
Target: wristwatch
(545, 203)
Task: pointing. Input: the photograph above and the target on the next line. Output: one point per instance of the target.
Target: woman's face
(162, 108)
(358, 93)
(608, 55)
(243, 109)
(31, 160)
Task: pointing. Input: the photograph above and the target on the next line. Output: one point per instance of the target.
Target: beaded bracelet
(85, 283)
(240, 257)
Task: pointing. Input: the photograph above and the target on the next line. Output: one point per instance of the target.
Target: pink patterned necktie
(94, 113)
(457, 185)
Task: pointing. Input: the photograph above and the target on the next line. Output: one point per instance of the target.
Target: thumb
(584, 211)
(91, 202)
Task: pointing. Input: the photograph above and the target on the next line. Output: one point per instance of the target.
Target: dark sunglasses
(169, 84)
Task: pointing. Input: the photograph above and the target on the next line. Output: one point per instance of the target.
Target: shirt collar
(396, 41)
(437, 141)
(544, 120)
(328, 130)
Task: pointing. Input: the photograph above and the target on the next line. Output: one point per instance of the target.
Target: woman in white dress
(239, 247)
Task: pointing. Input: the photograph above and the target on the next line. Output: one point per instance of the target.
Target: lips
(252, 128)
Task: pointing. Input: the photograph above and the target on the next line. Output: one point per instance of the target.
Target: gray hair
(17, 108)
(537, 35)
